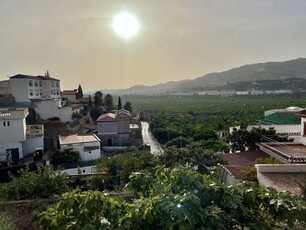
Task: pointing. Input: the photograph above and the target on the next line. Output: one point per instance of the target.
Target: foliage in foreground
(178, 198)
(6, 224)
(41, 184)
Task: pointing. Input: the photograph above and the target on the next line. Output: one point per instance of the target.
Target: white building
(34, 139)
(17, 139)
(13, 133)
(88, 145)
(27, 87)
(53, 108)
(291, 131)
(119, 129)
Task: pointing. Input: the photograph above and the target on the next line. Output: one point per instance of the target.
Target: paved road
(148, 139)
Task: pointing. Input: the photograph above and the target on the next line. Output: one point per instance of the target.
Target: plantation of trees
(180, 189)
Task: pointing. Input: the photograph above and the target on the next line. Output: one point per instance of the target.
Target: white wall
(106, 128)
(30, 145)
(226, 177)
(15, 132)
(49, 108)
(10, 145)
(84, 170)
(88, 155)
(19, 89)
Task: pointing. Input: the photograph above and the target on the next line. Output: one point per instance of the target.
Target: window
(57, 84)
(57, 92)
(31, 92)
(36, 83)
(52, 83)
(30, 83)
(8, 123)
(36, 92)
(40, 83)
(4, 124)
(40, 92)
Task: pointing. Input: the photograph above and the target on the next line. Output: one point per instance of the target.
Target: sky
(177, 40)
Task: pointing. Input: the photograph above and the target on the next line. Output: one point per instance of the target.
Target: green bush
(41, 184)
(6, 224)
(66, 155)
(120, 166)
(86, 210)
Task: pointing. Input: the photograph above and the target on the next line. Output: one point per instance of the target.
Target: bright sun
(125, 25)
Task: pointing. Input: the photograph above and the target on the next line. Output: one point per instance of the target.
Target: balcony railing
(35, 130)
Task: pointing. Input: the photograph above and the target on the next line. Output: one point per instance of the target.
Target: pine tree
(80, 92)
(119, 104)
(128, 106)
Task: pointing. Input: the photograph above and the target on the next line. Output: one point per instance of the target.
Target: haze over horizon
(177, 40)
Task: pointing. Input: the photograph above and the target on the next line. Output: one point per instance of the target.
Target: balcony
(35, 130)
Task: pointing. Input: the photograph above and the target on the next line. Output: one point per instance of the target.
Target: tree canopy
(66, 155)
(128, 106)
(119, 103)
(98, 99)
(241, 139)
(109, 102)
(80, 92)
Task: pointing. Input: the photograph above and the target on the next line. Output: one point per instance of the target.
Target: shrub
(6, 224)
(41, 184)
(66, 155)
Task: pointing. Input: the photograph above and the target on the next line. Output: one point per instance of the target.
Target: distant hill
(261, 76)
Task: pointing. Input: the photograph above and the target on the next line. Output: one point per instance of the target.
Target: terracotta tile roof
(289, 152)
(107, 117)
(246, 158)
(235, 170)
(238, 162)
(283, 181)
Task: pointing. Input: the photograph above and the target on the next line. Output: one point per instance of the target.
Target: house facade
(69, 95)
(88, 145)
(54, 108)
(25, 88)
(13, 133)
(18, 140)
(34, 139)
(118, 129)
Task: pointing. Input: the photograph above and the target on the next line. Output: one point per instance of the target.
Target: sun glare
(125, 25)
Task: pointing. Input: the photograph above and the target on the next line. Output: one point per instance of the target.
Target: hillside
(270, 75)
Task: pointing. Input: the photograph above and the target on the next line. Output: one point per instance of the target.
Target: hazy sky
(74, 40)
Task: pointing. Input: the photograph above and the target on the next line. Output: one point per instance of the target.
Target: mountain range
(261, 76)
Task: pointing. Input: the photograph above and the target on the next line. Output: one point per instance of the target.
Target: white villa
(54, 108)
(88, 145)
(27, 87)
(17, 139)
